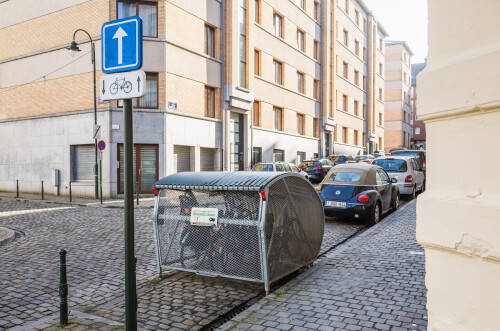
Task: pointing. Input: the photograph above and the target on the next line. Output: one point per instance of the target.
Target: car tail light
(317, 168)
(425, 163)
(263, 195)
(366, 161)
(363, 198)
(408, 179)
(154, 191)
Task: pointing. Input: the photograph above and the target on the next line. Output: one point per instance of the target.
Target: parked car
(378, 154)
(361, 191)
(279, 166)
(316, 169)
(342, 158)
(365, 158)
(419, 155)
(407, 172)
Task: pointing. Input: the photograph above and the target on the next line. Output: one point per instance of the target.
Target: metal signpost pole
(95, 123)
(100, 175)
(130, 290)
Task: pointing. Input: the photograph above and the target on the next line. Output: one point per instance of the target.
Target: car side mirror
(394, 180)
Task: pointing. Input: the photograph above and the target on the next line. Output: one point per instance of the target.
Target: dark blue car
(359, 191)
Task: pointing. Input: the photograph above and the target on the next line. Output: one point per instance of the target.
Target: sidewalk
(144, 201)
(374, 282)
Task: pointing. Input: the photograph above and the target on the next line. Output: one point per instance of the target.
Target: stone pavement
(373, 282)
(94, 240)
(145, 201)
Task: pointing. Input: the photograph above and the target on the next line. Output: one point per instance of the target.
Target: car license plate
(335, 204)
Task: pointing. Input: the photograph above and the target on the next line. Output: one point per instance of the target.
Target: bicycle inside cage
(251, 238)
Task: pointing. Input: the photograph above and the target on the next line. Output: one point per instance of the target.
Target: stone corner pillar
(458, 217)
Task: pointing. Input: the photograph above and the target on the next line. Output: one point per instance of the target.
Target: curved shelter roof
(215, 180)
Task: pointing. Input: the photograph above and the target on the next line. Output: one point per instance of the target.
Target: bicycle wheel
(191, 257)
(113, 88)
(127, 86)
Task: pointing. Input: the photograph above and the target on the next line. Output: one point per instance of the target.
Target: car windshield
(340, 176)
(334, 158)
(407, 153)
(392, 165)
(263, 167)
(308, 164)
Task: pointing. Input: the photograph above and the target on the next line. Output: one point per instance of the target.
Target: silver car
(406, 170)
(279, 166)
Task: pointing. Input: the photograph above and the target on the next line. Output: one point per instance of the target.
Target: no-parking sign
(101, 145)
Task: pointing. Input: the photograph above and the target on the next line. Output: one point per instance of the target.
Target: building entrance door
(236, 140)
(145, 172)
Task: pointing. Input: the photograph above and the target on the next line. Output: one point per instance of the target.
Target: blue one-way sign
(121, 45)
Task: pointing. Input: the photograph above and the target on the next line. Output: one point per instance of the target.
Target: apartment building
(417, 126)
(353, 94)
(229, 84)
(398, 109)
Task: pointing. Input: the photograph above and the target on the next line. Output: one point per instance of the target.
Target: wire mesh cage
(245, 225)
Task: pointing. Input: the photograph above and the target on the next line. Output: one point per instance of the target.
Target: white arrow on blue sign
(122, 45)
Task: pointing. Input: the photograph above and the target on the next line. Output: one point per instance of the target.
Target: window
(380, 69)
(300, 124)
(344, 102)
(242, 12)
(404, 56)
(404, 97)
(356, 133)
(300, 40)
(146, 10)
(346, 38)
(209, 101)
(257, 155)
(317, 12)
(278, 155)
(257, 11)
(364, 54)
(301, 156)
(278, 72)
(356, 16)
(209, 41)
(278, 118)
(380, 94)
(256, 113)
(364, 139)
(380, 119)
(316, 50)
(344, 134)
(380, 144)
(356, 77)
(356, 107)
(381, 177)
(364, 82)
(364, 110)
(345, 71)
(256, 65)
(278, 25)
(417, 130)
(316, 127)
(82, 162)
(150, 99)
(301, 4)
(356, 47)
(300, 82)
(316, 89)
(365, 26)
(346, 8)
(404, 77)
(380, 44)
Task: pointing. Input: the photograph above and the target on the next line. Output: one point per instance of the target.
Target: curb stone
(8, 237)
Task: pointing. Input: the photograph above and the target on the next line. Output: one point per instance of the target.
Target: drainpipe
(223, 84)
(321, 94)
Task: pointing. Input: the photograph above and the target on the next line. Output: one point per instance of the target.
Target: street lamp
(74, 47)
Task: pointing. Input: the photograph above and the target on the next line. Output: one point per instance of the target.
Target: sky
(404, 20)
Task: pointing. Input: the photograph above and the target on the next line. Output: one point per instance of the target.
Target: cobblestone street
(94, 240)
(373, 282)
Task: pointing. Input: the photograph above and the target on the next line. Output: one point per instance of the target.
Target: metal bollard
(70, 195)
(17, 188)
(42, 189)
(137, 191)
(63, 289)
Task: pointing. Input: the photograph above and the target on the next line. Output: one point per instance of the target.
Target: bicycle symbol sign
(122, 85)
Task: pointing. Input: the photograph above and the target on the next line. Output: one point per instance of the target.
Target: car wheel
(395, 206)
(413, 193)
(375, 217)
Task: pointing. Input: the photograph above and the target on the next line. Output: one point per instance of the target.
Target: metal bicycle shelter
(252, 226)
